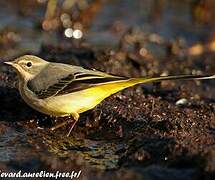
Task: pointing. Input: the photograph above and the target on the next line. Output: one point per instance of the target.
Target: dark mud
(139, 133)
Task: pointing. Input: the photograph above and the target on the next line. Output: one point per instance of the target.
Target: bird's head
(28, 66)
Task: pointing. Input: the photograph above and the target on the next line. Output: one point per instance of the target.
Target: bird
(64, 90)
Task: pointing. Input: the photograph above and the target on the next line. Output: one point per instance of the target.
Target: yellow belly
(81, 101)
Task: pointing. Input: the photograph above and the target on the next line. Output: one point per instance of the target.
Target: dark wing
(81, 84)
(45, 86)
(51, 90)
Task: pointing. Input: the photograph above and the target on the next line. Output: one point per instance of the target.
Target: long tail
(94, 95)
(163, 78)
(114, 87)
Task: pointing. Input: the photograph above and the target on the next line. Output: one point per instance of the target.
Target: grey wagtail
(65, 90)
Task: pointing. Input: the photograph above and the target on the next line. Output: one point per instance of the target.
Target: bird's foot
(67, 121)
(70, 130)
(76, 117)
(60, 125)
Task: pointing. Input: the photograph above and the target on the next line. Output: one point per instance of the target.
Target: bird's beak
(9, 63)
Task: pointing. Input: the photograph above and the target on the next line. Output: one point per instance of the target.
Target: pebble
(181, 102)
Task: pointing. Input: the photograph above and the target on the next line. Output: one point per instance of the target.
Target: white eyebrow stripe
(36, 64)
(26, 61)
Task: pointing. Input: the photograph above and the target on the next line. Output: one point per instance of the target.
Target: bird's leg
(76, 117)
(61, 124)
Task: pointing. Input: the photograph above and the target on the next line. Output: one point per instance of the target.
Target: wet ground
(138, 133)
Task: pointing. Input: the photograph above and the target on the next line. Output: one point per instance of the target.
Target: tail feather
(133, 81)
(94, 95)
(179, 77)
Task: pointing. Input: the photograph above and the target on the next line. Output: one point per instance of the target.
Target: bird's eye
(29, 64)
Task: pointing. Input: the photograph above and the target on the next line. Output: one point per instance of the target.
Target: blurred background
(156, 26)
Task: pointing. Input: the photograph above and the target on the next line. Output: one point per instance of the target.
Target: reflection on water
(99, 154)
(13, 143)
(7, 151)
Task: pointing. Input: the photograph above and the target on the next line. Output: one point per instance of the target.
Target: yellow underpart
(81, 101)
(77, 102)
